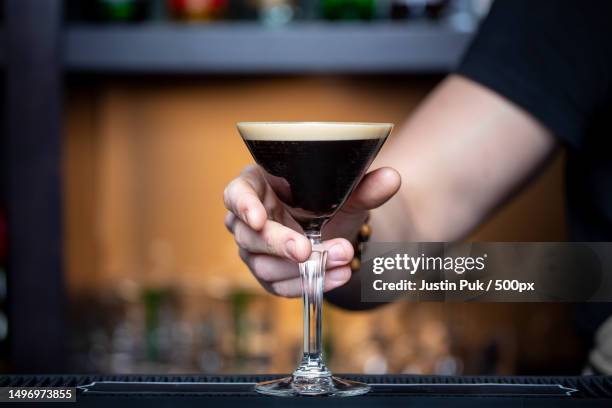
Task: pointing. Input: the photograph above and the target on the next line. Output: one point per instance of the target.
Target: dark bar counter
(387, 391)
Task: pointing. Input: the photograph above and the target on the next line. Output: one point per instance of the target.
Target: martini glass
(313, 167)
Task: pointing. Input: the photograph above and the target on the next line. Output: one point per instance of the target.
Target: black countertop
(387, 390)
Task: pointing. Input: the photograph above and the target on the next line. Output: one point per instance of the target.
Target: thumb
(374, 190)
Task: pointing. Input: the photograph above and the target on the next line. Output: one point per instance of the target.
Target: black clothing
(553, 58)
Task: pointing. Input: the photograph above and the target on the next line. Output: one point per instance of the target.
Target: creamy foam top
(311, 131)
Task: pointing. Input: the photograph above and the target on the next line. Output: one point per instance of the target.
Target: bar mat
(229, 388)
(585, 386)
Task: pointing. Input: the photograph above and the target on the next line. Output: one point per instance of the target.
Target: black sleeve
(552, 58)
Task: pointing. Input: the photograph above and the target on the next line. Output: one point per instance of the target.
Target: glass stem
(312, 273)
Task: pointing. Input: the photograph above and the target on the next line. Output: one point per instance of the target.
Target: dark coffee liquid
(314, 177)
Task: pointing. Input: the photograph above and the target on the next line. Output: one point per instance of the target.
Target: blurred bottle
(198, 10)
(210, 358)
(120, 10)
(348, 9)
(158, 10)
(239, 300)
(272, 12)
(408, 9)
(464, 15)
(276, 12)
(155, 301)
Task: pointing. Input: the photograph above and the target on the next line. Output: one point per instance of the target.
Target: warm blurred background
(139, 120)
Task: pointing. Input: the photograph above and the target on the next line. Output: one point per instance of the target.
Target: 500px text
(463, 284)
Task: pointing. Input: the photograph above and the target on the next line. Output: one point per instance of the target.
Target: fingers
(293, 287)
(289, 288)
(374, 190)
(244, 195)
(269, 268)
(271, 249)
(339, 252)
(281, 277)
(336, 277)
(229, 221)
(272, 239)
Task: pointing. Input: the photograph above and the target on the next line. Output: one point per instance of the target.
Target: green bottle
(348, 9)
(122, 10)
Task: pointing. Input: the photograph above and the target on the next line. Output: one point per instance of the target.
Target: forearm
(462, 154)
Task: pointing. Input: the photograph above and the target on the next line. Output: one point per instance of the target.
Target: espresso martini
(313, 167)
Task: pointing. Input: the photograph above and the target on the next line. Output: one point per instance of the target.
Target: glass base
(313, 386)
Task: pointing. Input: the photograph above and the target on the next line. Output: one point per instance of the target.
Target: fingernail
(290, 245)
(245, 216)
(337, 252)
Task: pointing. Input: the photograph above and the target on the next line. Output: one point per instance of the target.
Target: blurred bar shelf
(250, 48)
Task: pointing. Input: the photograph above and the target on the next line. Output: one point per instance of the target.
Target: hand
(271, 243)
